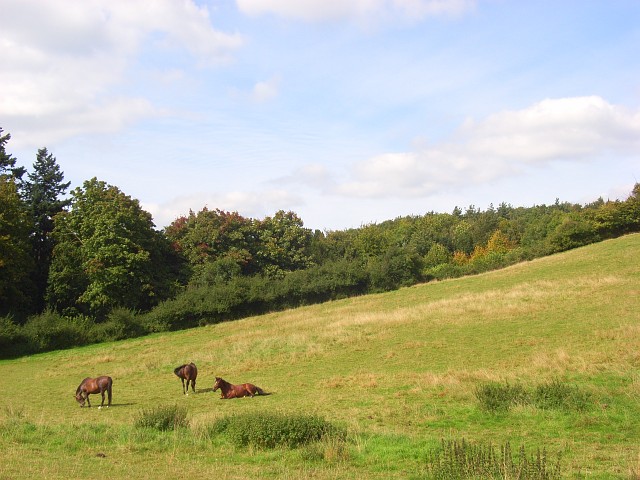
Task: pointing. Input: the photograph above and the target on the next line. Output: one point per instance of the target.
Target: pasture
(398, 371)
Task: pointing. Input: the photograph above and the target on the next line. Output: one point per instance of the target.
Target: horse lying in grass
(227, 390)
(94, 385)
(188, 372)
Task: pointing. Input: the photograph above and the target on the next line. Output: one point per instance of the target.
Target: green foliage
(396, 268)
(574, 231)
(496, 397)
(283, 244)
(244, 296)
(107, 255)
(163, 418)
(51, 331)
(16, 263)
(270, 246)
(42, 192)
(458, 459)
(437, 255)
(560, 396)
(121, 323)
(13, 341)
(271, 430)
(7, 161)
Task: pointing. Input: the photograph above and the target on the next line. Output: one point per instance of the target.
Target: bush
(558, 395)
(396, 268)
(13, 341)
(460, 459)
(121, 323)
(496, 397)
(269, 430)
(51, 331)
(168, 417)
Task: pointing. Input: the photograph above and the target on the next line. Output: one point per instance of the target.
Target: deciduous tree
(107, 255)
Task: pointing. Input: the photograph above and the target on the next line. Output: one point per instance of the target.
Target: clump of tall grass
(461, 459)
(497, 397)
(271, 430)
(163, 417)
(558, 395)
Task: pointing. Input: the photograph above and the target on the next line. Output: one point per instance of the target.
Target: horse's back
(105, 381)
(186, 371)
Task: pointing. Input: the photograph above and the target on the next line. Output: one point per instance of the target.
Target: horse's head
(80, 399)
(217, 384)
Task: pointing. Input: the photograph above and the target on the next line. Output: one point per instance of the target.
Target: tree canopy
(104, 254)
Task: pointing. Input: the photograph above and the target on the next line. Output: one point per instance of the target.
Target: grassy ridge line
(401, 365)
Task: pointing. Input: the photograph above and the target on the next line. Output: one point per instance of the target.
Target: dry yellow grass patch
(362, 380)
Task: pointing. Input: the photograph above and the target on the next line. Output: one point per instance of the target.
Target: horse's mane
(177, 369)
(79, 386)
(222, 381)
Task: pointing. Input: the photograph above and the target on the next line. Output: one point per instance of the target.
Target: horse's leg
(87, 399)
(109, 394)
(183, 392)
(102, 393)
(193, 385)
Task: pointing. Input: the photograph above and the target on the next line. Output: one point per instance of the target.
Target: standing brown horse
(228, 390)
(188, 372)
(94, 385)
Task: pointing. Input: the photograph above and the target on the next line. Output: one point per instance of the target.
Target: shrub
(496, 397)
(13, 341)
(460, 459)
(51, 331)
(270, 430)
(121, 323)
(558, 395)
(167, 417)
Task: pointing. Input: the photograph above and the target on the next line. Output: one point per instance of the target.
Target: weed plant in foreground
(459, 459)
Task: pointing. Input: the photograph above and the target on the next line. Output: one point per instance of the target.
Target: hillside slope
(399, 370)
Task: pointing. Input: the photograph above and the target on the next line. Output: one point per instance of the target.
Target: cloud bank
(331, 10)
(60, 77)
(568, 129)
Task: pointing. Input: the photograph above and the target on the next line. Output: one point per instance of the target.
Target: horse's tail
(195, 370)
(109, 385)
(261, 391)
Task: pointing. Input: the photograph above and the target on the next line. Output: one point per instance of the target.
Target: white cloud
(313, 175)
(62, 58)
(571, 129)
(265, 91)
(322, 10)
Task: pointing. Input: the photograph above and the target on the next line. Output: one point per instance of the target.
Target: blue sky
(345, 111)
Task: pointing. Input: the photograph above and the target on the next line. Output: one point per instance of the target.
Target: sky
(347, 112)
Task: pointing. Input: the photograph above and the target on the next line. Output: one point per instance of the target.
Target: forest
(89, 265)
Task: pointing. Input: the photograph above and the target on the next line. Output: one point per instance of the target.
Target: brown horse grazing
(94, 385)
(228, 390)
(188, 372)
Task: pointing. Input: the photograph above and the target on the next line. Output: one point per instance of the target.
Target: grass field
(399, 371)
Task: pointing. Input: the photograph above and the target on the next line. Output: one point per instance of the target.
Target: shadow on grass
(204, 390)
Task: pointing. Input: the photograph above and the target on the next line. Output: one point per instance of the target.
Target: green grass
(397, 371)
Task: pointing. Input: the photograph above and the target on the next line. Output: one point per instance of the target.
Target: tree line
(89, 265)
